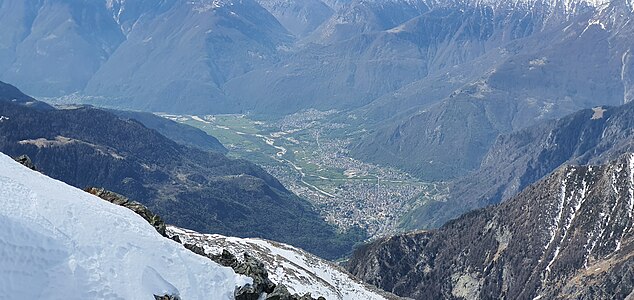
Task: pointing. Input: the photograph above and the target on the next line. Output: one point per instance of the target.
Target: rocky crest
(300, 271)
(569, 235)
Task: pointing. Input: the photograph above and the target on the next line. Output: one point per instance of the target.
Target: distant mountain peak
(207, 5)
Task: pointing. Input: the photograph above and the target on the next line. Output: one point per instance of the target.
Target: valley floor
(307, 152)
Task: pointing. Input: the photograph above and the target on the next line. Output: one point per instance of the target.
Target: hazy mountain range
(409, 70)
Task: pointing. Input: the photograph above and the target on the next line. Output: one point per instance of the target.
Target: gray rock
(167, 297)
(154, 219)
(279, 293)
(26, 161)
(255, 269)
(226, 259)
(247, 292)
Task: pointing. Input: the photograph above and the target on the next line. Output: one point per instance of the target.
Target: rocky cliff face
(569, 235)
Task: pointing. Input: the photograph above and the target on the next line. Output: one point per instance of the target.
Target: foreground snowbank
(58, 242)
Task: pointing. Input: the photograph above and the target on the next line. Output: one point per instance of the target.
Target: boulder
(26, 161)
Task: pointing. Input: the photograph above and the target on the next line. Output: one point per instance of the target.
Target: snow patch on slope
(300, 271)
(58, 242)
(202, 6)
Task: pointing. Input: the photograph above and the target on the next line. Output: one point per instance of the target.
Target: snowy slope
(58, 242)
(300, 271)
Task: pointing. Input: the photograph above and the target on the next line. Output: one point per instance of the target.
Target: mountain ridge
(123, 63)
(562, 227)
(522, 157)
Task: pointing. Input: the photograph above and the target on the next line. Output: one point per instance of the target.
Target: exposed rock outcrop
(26, 161)
(167, 297)
(251, 267)
(298, 270)
(154, 219)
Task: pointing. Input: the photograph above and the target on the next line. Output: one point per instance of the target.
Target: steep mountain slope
(9, 93)
(519, 159)
(196, 189)
(176, 56)
(167, 55)
(59, 242)
(572, 228)
(54, 47)
(581, 63)
(300, 271)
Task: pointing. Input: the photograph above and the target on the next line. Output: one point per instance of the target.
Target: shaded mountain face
(9, 93)
(353, 71)
(54, 47)
(378, 55)
(180, 133)
(519, 159)
(568, 236)
(579, 64)
(192, 188)
(356, 17)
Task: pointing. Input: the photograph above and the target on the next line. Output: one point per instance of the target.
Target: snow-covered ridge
(58, 242)
(300, 271)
